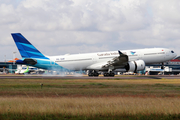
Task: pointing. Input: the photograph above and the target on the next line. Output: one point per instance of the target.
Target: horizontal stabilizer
(30, 61)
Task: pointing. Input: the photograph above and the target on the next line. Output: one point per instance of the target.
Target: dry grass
(89, 97)
(89, 106)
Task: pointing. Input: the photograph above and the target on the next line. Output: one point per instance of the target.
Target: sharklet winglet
(120, 53)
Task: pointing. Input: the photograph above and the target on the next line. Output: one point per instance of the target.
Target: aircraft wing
(121, 60)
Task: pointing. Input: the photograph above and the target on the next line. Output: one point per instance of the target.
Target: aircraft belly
(154, 59)
(75, 65)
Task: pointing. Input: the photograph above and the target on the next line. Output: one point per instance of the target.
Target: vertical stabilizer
(26, 49)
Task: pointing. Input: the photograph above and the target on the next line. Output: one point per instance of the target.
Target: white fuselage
(94, 61)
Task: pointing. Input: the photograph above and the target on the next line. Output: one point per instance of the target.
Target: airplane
(107, 62)
(24, 69)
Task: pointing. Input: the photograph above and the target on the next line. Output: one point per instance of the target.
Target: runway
(86, 77)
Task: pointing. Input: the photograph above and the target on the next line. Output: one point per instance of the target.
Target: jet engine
(134, 66)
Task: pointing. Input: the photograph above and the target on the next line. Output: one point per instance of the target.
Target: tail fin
(26, 49)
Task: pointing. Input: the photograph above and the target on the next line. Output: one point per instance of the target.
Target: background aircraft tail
(26, 49)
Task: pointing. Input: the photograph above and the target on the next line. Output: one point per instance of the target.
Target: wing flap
(121, 60)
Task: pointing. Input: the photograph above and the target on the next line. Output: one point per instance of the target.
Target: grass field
(89, 99)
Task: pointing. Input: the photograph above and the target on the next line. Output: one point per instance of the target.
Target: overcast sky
(58, 27)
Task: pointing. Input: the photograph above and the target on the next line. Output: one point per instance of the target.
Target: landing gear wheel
(90, 75)
(106, 74)
(96, 74)
(111, 74)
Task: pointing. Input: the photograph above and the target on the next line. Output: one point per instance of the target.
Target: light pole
(14, 57)
(4, 58)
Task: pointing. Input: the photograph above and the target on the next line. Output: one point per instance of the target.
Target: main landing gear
(93, 73)
(110, 74)
(96, 74)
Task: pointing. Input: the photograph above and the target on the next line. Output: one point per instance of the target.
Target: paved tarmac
(86, 77)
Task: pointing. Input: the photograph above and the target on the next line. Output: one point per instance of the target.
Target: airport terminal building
(7, 67)
(170, 68)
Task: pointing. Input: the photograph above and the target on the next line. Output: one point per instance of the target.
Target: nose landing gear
(162, 66)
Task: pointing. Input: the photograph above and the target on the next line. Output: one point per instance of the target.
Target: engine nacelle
(134, 66)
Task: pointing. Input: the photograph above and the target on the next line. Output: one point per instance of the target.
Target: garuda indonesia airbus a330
(107, 62)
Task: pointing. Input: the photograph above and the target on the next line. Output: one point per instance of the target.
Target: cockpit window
(172, 51)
